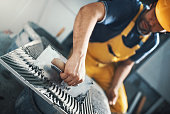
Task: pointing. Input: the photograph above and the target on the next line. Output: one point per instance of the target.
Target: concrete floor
(10, 88)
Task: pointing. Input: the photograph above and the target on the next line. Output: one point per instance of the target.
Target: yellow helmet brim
(163, 13)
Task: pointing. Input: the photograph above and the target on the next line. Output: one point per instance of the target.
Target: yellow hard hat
(163, 13)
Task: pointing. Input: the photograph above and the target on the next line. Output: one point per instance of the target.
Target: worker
(109, 37)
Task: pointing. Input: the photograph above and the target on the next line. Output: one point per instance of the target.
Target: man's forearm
(83, 27)
(121, 73)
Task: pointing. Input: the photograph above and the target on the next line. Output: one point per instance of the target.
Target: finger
(110, 103)
(63, 75)
(76, 83)
(68, 79)
(114, 100)
(73, 82)
(80, 81)
(109, 95)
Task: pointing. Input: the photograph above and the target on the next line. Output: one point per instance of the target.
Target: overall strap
(126, 31)
(144, 39)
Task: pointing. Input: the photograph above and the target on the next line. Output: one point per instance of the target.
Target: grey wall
(156, 70)
(52, 15)
(15, 13)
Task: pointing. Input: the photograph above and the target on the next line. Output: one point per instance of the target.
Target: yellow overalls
(101, 59)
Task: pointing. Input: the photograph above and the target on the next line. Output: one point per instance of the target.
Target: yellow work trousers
(103, 75)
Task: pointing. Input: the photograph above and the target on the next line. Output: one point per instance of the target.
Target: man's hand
(112, 95)
(74, 72)
(120, 74)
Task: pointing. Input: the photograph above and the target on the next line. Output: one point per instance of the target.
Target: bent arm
(121, 73)
(74, 72)
(84, 25)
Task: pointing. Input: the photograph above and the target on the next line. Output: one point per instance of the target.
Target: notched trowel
(53, 72)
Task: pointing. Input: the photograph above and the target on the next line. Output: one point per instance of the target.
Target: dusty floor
(9, 87)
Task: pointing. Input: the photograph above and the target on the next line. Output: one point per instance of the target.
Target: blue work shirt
(118, 14)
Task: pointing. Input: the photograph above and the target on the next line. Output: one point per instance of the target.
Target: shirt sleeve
(118, 10)
(146, 48)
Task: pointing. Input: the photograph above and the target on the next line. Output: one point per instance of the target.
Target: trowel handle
(58, 63)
